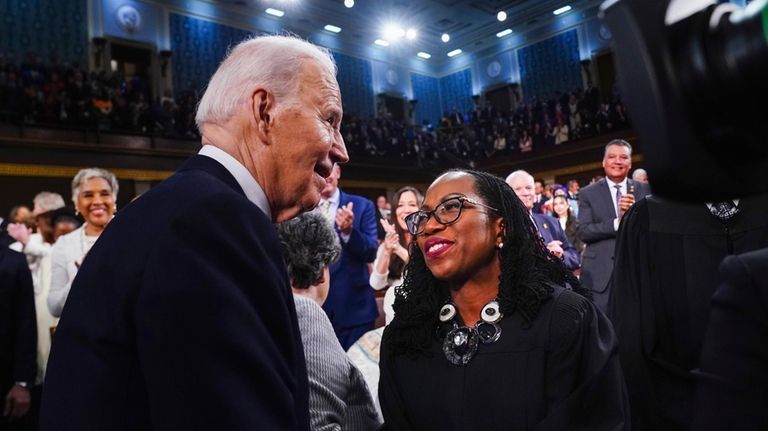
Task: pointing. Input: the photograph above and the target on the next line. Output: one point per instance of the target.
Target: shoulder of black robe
(392, 407)
(585, 384)
(733, 379)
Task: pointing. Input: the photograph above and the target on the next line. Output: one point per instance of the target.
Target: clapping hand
(344, 219)
(625, 203)
(20, 232)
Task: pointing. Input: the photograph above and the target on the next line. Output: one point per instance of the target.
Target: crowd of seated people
(67, 95)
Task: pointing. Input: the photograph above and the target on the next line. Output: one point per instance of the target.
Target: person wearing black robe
(553, 363)
(665, 273)
(733, 377)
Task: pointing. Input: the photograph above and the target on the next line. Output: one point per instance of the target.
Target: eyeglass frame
(433, 213)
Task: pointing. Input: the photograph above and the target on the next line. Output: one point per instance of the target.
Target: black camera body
(697, 89)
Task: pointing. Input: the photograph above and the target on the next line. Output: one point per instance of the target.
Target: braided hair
(528, 273)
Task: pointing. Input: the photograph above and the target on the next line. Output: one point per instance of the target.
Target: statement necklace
(460, 343)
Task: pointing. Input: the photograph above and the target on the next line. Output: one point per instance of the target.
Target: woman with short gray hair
(94, 193)
(338, 396)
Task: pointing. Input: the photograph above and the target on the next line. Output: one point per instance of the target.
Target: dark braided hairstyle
(528, 272)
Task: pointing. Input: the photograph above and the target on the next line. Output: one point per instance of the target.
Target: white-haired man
(181, 316)
(524, 186)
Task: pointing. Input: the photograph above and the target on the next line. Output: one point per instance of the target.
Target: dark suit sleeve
(590, 228)
(25, 361)
(733, 384)
(216, 328)
(363, 241)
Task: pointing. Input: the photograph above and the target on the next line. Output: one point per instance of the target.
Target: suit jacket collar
(212, 167)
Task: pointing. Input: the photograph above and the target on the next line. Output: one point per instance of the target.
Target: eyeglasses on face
(447, 212)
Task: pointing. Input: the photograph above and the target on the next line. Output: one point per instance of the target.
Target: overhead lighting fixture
(332, 28)
(349, 3)
(393, 32)
(454, 53)
(504, 32)
(501, 16)
(381, 42)
(445, 37)
(562, 10)
(275, 12)
(424, 55)
(410, 34)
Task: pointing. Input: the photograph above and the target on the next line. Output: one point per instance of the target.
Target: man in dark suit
(18, 336)
(181, 316)
(601, 207)
(549, 228)
(351, 305)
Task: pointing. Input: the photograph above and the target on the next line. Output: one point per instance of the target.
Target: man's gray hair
(48, 201)
(271, 62)
(309, 244)
(639, 173)
(518, 173)
(88, 173)
(619, 142)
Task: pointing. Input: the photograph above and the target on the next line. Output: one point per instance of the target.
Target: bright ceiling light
(562, 10)
(445, 37)
(392, 32)
(410, 34)
(504, 32)
(275, 12)
(454, 53)
(424, 55)
(381, 42)
(349, 3)
(332, 28)
(501, 16)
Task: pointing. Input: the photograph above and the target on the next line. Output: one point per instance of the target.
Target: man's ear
(263, 111)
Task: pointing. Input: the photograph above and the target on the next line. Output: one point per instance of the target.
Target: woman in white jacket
(392, 255)
(94, 193)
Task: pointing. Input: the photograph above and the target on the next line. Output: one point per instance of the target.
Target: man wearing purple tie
(601, 207)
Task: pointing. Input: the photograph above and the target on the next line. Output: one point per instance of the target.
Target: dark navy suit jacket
(351, 300)
(549, 228)
(181, 317)
(18, 327)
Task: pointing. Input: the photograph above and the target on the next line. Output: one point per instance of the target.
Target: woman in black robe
(540, 357)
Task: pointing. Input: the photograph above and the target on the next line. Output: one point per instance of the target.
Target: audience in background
(55, 94)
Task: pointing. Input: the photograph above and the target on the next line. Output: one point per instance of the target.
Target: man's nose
(339, 150)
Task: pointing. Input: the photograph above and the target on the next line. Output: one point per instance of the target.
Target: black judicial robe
(733, 378)
(666, 270)
(561, 373)
(180, 318)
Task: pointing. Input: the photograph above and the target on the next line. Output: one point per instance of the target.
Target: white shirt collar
(250, 186)
(622, 183)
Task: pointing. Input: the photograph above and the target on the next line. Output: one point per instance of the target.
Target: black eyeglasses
(446, 213)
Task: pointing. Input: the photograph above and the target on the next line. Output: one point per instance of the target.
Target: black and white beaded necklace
(460, 343)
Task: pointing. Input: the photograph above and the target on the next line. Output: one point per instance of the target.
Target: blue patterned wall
(356, 83)
(550, 65)
(456, 92)
(427, 91)
(45, 28)
(198, 47)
